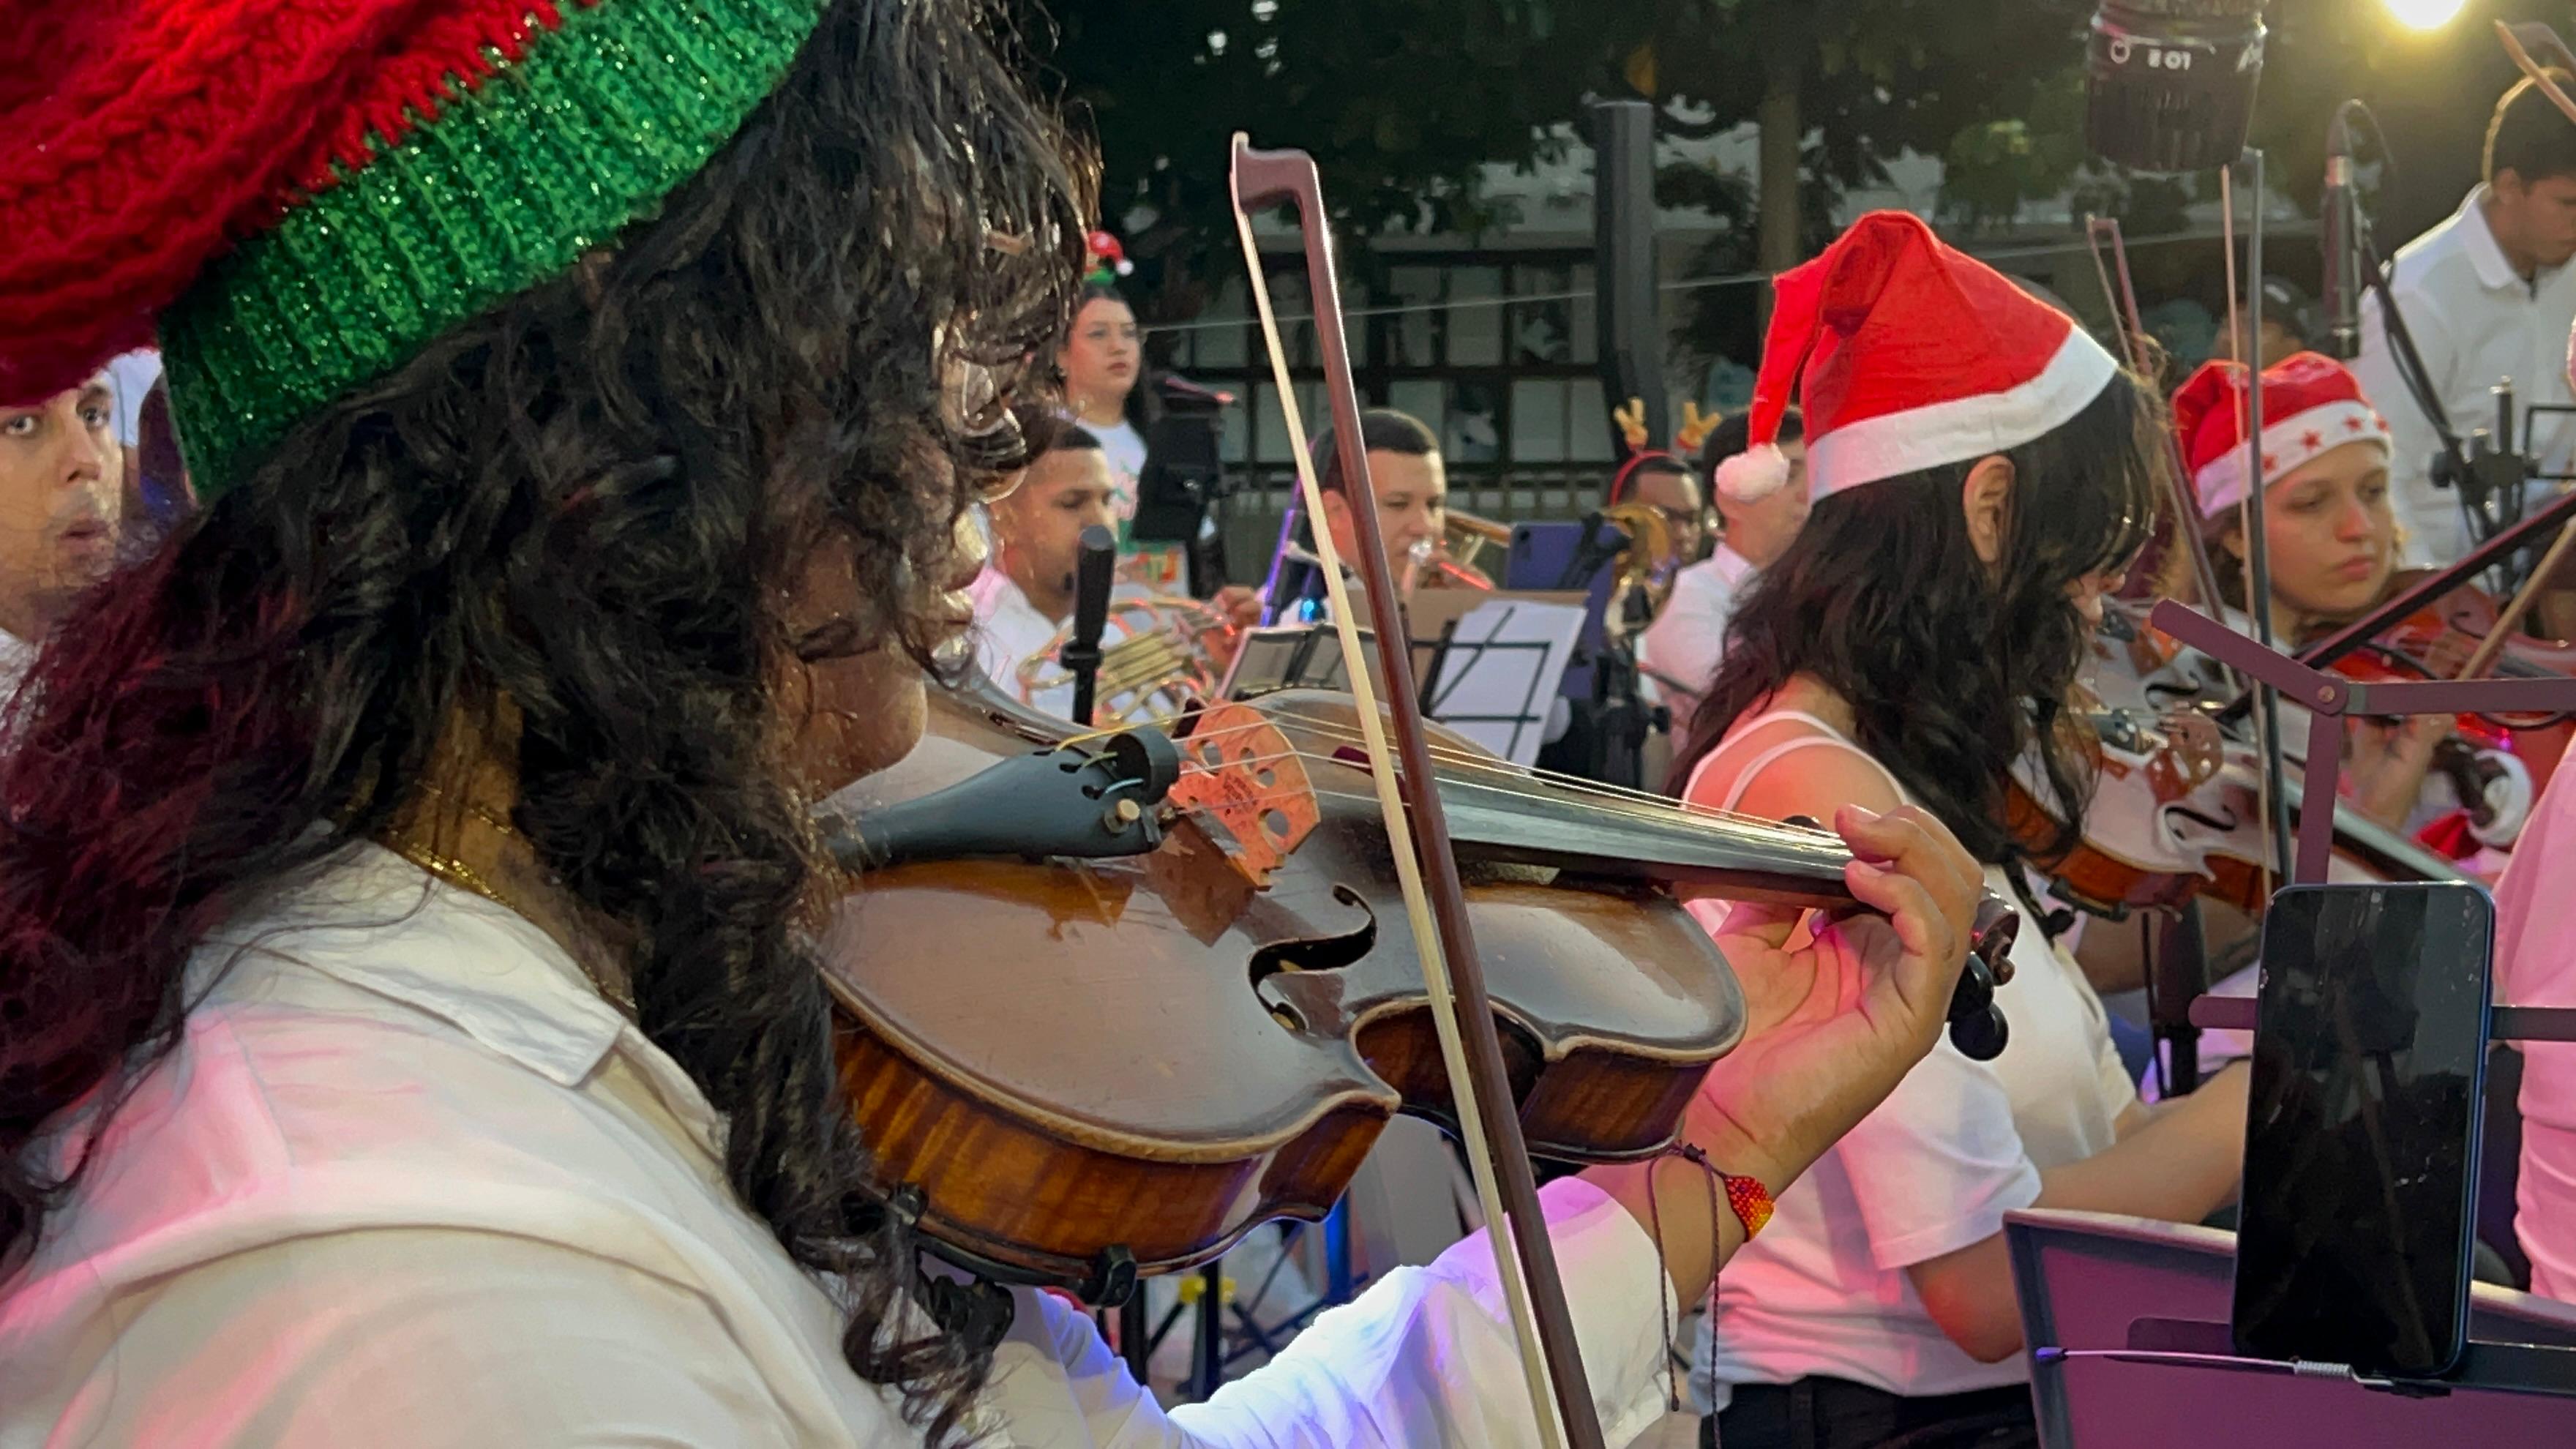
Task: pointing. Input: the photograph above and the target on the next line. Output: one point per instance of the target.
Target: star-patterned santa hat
(2312, 405)
(1914, 355)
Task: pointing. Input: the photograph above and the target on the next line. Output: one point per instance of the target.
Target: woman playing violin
(1976, 497)
(2333, 541)
(409, 1028)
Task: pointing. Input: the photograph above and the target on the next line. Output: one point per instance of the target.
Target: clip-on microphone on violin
(1977, 1025)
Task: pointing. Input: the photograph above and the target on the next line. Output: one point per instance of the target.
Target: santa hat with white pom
(1914, 355)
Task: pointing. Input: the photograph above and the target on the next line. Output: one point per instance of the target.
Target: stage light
(2424, 14)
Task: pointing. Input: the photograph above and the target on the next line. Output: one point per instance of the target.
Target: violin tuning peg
(1981, 1037)
(1975, 991)
(1977, 1025)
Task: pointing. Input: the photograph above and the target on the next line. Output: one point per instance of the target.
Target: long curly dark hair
(1953, 669)
(587, 502)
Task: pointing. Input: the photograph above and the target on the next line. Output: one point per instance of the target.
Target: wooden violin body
(1071, 1071)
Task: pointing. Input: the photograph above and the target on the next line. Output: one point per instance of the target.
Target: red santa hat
(1915, 355)
(2312, 405)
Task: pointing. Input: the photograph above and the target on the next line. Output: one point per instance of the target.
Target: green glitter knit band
(504, 189)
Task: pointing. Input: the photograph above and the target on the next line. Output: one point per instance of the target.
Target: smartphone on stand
(2361, 1143)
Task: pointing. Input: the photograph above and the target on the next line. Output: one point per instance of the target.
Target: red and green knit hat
(299, 195)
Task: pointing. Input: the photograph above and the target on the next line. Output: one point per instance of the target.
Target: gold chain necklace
(465, 878)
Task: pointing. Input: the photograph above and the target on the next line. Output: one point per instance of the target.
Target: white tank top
(1932, 1170)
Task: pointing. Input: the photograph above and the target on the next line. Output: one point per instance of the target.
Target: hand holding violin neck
(1869, 999)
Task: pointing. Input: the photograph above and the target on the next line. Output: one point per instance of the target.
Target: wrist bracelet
(1746, 1195)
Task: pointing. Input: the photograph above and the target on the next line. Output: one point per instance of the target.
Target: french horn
(1171, 658)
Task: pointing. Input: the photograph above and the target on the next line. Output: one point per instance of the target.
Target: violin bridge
(1248, 786)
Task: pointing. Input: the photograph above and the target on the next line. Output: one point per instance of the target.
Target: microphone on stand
(2340, 215)
(1091, 579)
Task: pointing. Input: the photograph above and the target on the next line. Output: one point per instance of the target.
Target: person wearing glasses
(1682, 647)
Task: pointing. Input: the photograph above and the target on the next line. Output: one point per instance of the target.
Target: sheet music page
(1500, 676)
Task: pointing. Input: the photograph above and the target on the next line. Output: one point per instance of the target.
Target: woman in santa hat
(1103, 360)
(1984, 473)
(2332, 539)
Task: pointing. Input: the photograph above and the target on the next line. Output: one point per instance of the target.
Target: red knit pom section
(182, 127)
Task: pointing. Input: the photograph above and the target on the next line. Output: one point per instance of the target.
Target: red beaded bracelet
(1746, 1195)
(1751, 1201)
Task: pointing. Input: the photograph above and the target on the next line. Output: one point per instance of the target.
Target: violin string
(1288, 793)
(1471, 760)
(1655, 808)
(1262, 801)
(1636, 803)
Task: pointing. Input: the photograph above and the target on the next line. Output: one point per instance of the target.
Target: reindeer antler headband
(1631, 418)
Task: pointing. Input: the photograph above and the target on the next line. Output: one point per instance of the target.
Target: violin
(2176, 811)
(2497, 764)
(1131, 1032)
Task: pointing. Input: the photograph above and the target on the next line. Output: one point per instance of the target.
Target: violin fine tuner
(1077, 801)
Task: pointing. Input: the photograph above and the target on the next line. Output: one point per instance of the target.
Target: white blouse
(1932, 1170)
(408, 1181)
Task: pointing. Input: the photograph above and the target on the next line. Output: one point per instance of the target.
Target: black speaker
(1631, 329)
(2170, 83)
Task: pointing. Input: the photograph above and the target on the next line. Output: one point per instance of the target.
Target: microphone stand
(2258, 552)
(1092, 576)
(1081, 653)
(2452, 468)
(1081, 657)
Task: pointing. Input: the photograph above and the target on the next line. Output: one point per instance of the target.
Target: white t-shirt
(1126, 450)
(1683, 645)
(1934, 1169)
(1008, 630)
(408, 1182)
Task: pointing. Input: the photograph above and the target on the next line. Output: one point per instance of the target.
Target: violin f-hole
(1302, 1004)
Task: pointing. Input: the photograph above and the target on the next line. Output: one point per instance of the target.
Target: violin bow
(2538, 36)
(2120, 289)
(1416, 825)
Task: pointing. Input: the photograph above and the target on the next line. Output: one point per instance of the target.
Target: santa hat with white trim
(2312, 405)
(1914, 355)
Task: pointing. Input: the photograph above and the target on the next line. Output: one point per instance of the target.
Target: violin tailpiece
(1246, 783)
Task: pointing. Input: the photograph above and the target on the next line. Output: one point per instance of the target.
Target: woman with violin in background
(411, 1026)
(2334, 545)
(1984, 474)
